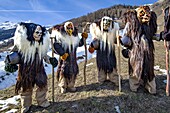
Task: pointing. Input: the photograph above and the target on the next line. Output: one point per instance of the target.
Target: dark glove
(11, 67)
(53, 61)
(125, 53)
(64, 57)
(166, 36)
(161, 36)
(84, 35)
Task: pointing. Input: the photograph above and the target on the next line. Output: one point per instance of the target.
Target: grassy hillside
(116, 11)
(96, 98)
(158, 7)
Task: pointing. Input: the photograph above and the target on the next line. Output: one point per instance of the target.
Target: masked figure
(66, 44)
(140, 28)
(104, 37)
(166, 33)
(31, 43)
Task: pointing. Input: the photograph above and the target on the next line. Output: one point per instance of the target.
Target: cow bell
(13, 58)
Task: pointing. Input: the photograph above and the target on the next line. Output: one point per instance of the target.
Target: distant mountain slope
(115, 11)
(5, 34)
(7, 25)
(157, 7)
(7, 30)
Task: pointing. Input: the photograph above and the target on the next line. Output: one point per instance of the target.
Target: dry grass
(96, 98)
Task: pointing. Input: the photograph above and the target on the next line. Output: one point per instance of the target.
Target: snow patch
(4, 104)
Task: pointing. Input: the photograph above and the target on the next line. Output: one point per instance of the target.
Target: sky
(52, 12)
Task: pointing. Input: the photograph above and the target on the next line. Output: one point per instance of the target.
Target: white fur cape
(108, 37)
(27, 50)
(66, 40)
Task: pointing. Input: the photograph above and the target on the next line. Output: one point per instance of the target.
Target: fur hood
(66, 40)
(26, 48)
(104, 37)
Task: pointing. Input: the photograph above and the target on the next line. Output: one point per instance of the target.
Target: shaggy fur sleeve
(94, 30)
(115, 30)
(20, 37)
(125, 33)
(58, 49)
(81, 43)
(153, 23)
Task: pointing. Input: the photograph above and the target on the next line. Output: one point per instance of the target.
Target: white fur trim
(28, 51)
(66, 40)
(95, 30)
(107, 37)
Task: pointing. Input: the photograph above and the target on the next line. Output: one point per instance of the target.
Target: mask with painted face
(37, 33)
(69, 29)
(106, 23)
(144, 14)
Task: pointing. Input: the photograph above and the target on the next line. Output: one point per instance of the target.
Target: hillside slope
(96, 98)
(158, 7)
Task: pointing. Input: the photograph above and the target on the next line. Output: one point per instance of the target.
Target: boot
(73, 89)
(151, 86)
(41, 97)
(63, 90)
(45, 104)
(25, 109)
(26, 100)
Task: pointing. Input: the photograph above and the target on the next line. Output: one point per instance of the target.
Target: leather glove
(91, 49)
(84, 35)
(11, 67)
(64, 57)
(166, 36)
(53, 61)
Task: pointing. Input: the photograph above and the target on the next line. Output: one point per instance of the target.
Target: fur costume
(166, 32)
(66, 43)
(103, 42)
(141, 57)
(31, 69)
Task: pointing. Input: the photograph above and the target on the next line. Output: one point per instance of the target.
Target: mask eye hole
(142, 13)
(110, 21)
(38, 32)
(69, 28)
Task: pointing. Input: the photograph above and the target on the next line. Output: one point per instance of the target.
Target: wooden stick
(52, 47)
(167, 67)
(85, 62)
(85, 47)
(119, 69)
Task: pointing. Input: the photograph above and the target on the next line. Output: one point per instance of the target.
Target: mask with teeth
(37, 33)
(106, 23)
(69, 28)
(144, 14)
